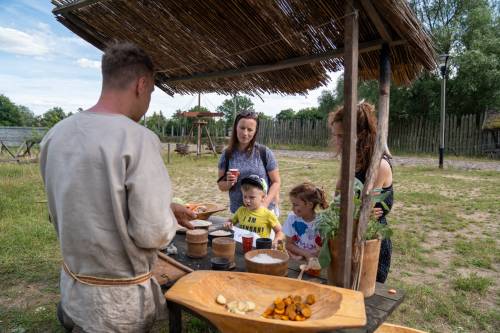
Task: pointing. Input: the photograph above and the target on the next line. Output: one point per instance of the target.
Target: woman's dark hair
(307, 192)
(366, 124)
(233, 143)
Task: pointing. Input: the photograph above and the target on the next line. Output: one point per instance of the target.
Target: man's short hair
(124, 62)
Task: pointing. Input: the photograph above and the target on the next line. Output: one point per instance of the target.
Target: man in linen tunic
(109, 198)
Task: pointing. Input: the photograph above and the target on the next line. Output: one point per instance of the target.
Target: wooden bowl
(334, 307)
(210, 209)
(278, 269)
(211, 236)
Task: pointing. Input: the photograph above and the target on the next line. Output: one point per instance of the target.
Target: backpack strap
(226, 167)
(263, 158)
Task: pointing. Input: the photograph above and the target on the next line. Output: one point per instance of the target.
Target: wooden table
(378, 307)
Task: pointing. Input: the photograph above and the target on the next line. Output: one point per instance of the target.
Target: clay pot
(224, 247)
(197, 240)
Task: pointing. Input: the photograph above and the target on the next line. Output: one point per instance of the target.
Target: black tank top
(389, 200)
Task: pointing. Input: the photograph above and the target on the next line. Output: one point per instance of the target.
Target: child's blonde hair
(308, 192)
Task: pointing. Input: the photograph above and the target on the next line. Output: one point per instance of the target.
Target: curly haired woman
(366, 121)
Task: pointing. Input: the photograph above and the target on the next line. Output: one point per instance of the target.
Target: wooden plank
(471, 134)
(452, 131)
(428, 135)
(448, 138)
(351, 34)
(288, 63)
(376, 20)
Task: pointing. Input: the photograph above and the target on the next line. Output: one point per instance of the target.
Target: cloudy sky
(43, 64)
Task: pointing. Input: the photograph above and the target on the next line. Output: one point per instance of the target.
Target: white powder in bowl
(219, 233)
(265, 259)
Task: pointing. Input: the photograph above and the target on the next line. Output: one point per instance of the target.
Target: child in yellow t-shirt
(253, 216)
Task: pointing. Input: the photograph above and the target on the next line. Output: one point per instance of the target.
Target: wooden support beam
(72, 6)
(376, 20)
(288, 63)
(342, 277)
(380, 146)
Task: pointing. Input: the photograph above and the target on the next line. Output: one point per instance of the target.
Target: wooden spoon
(303, 268)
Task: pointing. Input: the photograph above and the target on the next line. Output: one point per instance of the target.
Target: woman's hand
(377, 212)
(183, 215)
(231, 178)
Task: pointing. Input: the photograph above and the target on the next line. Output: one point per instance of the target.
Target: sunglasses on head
(247, 114)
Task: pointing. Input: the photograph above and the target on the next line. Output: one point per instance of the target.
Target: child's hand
(228, 224)
(294, 256)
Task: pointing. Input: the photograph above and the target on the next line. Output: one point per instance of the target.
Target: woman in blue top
(250, 158)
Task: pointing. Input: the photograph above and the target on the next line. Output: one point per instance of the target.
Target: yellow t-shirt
(260, 221)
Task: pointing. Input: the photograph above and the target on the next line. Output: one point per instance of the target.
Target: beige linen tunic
(109, 198)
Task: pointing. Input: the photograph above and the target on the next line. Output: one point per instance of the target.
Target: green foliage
(287, 114)
(329, 221)
(328, 101)
(9, 113)
(52, 117)
(468, 30)
(242, 103)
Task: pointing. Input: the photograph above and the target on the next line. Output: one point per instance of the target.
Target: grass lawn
(446, 242)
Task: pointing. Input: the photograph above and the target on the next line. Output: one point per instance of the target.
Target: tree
(27, 116)
(287, 114)
(308, 114)
(263, 116)
(52, 117)
(328, 102)
(157, 122)
(243, 103)
(9, 113)
(469, 30)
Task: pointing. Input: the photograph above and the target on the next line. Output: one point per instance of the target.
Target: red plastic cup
(247, 241)
(235, 172)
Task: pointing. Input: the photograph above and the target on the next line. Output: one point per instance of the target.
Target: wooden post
(380, 144)
(168, 153)
(342, 275)
(198, 148)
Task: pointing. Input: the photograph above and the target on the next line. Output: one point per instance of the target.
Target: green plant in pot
(329, 223)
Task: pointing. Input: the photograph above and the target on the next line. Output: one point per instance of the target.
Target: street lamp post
(443, 62)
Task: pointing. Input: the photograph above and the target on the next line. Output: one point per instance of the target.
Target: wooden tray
(335, 307)
(167, 270)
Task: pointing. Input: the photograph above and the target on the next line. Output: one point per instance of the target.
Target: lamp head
(443, 62)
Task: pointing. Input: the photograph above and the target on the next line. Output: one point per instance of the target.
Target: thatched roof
(230, 46)
(492, 120)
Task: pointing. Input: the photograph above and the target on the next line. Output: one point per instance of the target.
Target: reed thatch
(188, 39)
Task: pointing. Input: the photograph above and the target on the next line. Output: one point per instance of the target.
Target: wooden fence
(463, 135)
(294, 132)
(15, 136)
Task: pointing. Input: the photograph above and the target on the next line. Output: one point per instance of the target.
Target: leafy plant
(329, 221)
